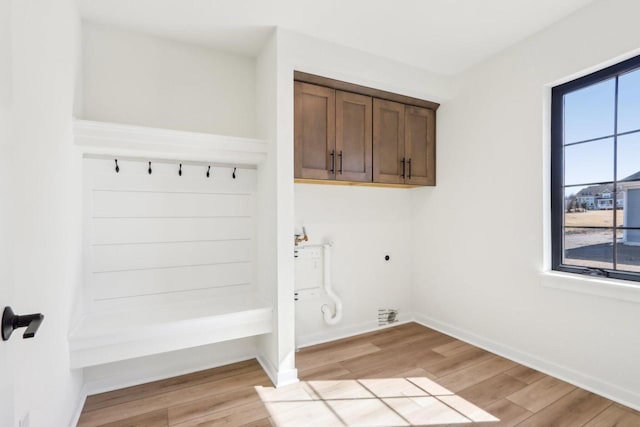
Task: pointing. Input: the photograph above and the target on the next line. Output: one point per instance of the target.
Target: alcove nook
(178, 267)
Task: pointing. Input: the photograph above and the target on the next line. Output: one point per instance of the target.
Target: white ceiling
(442, 36)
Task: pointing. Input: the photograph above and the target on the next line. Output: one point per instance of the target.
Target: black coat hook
(150, 168)
(117, 167)
(234, 173)
(180, 170)
(209, 171)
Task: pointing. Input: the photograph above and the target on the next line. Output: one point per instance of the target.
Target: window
(595, 160)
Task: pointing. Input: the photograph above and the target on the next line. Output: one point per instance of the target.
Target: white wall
(479, 273)
(165, 365)
(6, 270)
(46, 223)
(139, 79)
(365, 223)
(267, 232)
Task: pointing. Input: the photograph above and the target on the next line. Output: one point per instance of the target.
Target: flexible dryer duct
(330, 318)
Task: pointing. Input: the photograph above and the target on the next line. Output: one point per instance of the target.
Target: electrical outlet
(24, 422)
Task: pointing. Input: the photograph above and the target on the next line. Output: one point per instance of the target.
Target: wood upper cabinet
(315, 131)
(403, 144)
(388, 142)
(350, 133)
(420, 146)
(353, 137)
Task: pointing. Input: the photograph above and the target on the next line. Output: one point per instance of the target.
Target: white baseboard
(101, 386)
(341, 332)
(579, 379)
(82, 398)
(278, 378)
(127, 373)
(105, 385)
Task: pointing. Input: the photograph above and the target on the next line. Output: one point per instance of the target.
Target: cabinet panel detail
(353, 137)
(420, 146)
(389, 163)
(314, 129)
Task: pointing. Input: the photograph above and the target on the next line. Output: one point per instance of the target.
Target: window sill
(598, 286)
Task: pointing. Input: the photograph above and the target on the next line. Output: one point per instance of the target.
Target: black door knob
(11, 321)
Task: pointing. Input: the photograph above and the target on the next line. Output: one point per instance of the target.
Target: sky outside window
(589, 113)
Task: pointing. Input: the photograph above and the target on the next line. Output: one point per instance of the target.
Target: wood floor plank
(452, 348)
(459, 361)
(209, 405)
(324, 372)
(381, 335)
(474, 374)
(136, 407)
(491, 390)
(616, 415)
(311, 359)
(154, 388)
(507, 412)
(467, 377)
(416, 372)
(434, 339)
(264, 422)
(574, 409)
(236, 416)
(395, 359)
(407, 335)
(525, 374)
(541, 393)
(158, 418)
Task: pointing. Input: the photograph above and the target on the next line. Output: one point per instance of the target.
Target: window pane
(628, 251)
(589, 112)
(629, 102)
(591, 206)
(629, 240)
(629, 157)
(577, 198)
(589, 162)
(588, 248)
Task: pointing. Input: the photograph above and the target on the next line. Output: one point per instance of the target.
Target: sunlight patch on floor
(368, 402)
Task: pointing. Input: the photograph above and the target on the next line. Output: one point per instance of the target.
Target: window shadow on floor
(368, 402)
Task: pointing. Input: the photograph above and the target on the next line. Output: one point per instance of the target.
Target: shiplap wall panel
(162, 255)
(137, 204)
(162, 233)
(117, 285)
(139, 180)
(148, 230)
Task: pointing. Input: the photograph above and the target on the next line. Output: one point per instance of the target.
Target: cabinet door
(388, 142)
(420, 147)
(315, 131)
(353, 137)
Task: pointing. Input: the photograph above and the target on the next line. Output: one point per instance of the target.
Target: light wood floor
(512, 393)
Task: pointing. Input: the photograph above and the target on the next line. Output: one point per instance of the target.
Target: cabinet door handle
(340, 155)
(333, 162)
(403, 164)
(409, 164)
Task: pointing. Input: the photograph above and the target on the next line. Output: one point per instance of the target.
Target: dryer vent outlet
(387, 316)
